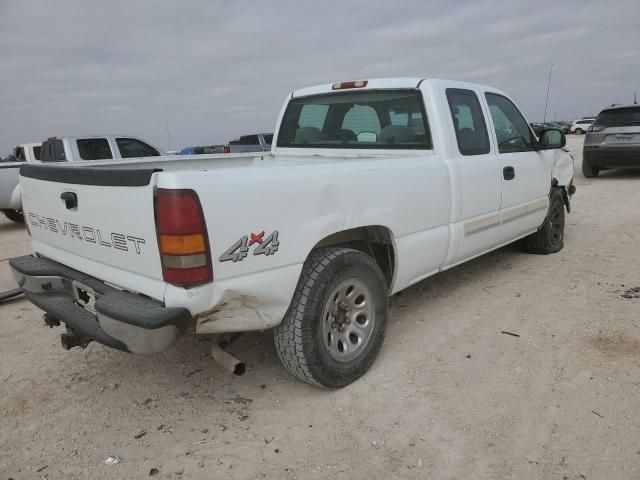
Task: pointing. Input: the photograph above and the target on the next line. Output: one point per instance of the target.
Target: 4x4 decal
(239, 250)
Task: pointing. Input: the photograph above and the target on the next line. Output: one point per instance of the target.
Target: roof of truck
(385, 83)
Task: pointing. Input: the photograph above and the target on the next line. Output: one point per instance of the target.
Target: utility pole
(546, 102)
(635, 98)
(168, 137)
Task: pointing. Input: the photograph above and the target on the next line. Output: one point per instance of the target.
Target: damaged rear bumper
(97, 311)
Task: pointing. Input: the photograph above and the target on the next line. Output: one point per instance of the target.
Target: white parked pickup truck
(369, 187)
(64, 149)
(9, 168)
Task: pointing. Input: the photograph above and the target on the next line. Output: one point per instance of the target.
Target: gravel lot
(449, 397)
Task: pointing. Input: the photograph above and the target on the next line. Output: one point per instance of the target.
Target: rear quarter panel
(305, 200)
(9, 189)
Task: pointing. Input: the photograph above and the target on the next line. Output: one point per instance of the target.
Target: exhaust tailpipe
(228, 361)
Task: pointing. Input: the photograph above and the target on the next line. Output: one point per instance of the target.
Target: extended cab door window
(132, 148)
(94, 149)
(468, 121)
(512, 130)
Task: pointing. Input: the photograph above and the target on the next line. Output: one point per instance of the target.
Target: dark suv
(613, 141)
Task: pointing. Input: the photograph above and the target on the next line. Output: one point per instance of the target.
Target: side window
(94, 148)
(52, 151)
(36, 151)
(361, 118)
(132, 148)
(468, 120)
(20, 157)
(512, 131)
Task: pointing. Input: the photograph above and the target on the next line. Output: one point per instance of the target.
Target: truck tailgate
(99, 221)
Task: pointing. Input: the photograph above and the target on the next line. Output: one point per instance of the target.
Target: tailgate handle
(70, 200)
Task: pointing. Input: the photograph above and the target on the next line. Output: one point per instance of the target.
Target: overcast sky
(214, 70)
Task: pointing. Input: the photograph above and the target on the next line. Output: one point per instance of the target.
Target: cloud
(218, 69)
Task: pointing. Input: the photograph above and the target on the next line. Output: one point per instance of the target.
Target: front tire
(336, 323)
(14, 215)
(579, 131)
(550, 237)
(588, 170)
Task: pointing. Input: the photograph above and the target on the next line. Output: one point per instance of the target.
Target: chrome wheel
(348, 320)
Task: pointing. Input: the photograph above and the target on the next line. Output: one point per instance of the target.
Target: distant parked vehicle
(25, 152)
(204, 150)
(557, 126)
(64, 149)
(105, 147)
(613, 141)
(537, 128)
(260, 142)
(9, 167)
(581, 125)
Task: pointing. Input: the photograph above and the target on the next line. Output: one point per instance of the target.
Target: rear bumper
(612, 156)
(122, 320)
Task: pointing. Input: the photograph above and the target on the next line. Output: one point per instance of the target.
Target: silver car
(613, 141)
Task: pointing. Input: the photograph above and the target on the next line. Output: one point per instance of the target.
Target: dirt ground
(450, 396)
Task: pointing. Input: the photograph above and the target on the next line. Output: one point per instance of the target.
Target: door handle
(70, 200)
(509, 173)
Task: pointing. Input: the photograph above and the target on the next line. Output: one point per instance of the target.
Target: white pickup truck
(9, 168)
(369, 187)
(64, 149)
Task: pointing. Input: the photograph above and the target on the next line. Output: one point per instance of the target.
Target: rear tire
(14, 215)
(336, 323)
(588, 170)
(550, 237)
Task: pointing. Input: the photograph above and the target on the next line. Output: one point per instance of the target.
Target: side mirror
(551, 138)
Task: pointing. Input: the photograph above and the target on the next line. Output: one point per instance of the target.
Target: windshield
(372, 119)
(619, 117)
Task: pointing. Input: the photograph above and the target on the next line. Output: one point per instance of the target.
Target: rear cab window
(94, 149)
(369, 119)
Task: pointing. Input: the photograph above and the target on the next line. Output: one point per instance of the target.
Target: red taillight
(226, 149)
(596, 128)
(354, 84)
(182, 238)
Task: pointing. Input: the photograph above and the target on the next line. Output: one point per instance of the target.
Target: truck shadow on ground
(189, 362)
(621, 174)
(11, 227)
